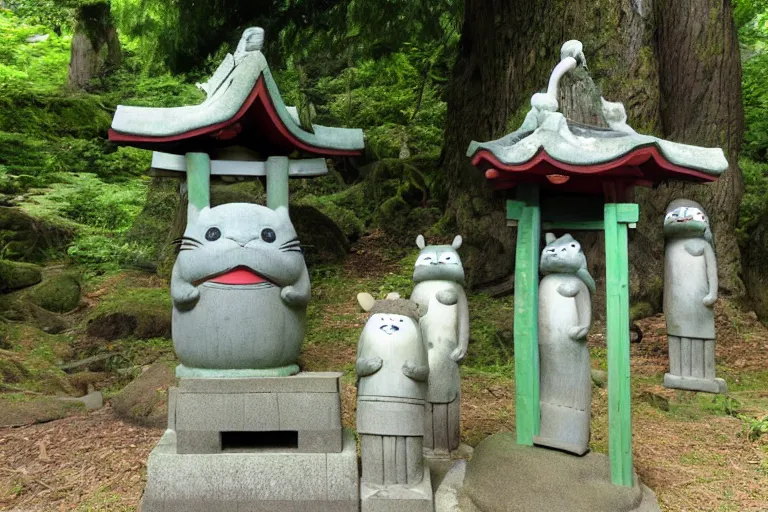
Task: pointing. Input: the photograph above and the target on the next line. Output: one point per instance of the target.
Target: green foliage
(754, 208)
(751, 18)
(754, 427)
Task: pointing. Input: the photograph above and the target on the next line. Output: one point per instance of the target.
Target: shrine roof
(243, 107)
(547, 144)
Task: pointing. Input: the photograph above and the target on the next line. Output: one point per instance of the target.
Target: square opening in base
(259, 441)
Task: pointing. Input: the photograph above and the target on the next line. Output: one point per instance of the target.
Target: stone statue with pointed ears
(565, 315)
(439, 290)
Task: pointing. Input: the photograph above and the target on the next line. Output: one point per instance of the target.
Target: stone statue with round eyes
(690, 291)
(565, 315)
(240, 289)
(439, 291)
(392, 372)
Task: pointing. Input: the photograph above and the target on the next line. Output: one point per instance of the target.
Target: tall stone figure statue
(439, 290)
(690, 291)
(239, 288)
(565, 315)
(392, 372)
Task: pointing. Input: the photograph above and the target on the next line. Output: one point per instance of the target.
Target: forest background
(85, 234)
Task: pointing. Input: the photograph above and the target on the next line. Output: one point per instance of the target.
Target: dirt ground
(691, 449)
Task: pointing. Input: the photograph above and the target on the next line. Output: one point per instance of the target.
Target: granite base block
(398, 498)
(307, 404)
(694, 383)
(245, 482)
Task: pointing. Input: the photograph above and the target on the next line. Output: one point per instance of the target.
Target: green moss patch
(14, 276)
(58, 294)
(139, 312)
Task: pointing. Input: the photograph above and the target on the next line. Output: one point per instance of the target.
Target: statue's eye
(573, 245)
(213, 234)
(268, 235)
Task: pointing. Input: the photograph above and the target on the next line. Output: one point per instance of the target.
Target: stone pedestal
(253, 445)
(398, 498)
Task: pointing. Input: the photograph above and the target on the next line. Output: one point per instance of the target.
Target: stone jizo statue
(690, 291)
(565, 315)
(439, 291)
(392, 373)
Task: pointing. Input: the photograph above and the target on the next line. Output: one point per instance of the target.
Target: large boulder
(58, 294)
(145, 400)
(15, 276)
(503, 476)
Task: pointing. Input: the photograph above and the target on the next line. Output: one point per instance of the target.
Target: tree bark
(506, 53)
(95, 45)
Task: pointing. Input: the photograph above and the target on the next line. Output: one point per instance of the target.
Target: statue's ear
(420, 242)
(549, 238)
(457, 242)
(366, 301)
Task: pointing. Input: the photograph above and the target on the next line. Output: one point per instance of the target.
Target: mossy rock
(15, 276)
(12, 369)
(19, 409)
(84, 382)
(321, 238)
(145, 400)
(27, 238)
(143, 313)
(17, 307)
(58, 294)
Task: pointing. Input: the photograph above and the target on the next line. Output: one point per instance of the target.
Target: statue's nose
(242, 241)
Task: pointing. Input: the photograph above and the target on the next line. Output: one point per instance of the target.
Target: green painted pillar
(617, 219)
(277, 182)
(198, 182)
(526, 328)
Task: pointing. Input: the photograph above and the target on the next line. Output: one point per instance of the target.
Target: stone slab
(447, 494)
(503, 476)
(188, 372)
(309, 411)
(695, 384)
(303, 382)
(398, 498)
(301, 482)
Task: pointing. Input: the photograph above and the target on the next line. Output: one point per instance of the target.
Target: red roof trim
(634, 158)
(260, 92)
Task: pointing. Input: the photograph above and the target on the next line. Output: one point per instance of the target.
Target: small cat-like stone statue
(439, 290)
(439, 327)
(392, 373)
(239, 288)
(690, 291)
(565, 315)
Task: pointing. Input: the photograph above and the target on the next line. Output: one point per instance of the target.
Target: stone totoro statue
(239, 288)
(392, 372)
(439, 290)
(690, 291)
(565, 315)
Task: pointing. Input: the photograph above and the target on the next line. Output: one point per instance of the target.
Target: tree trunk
(506, 53)
(95, 45)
